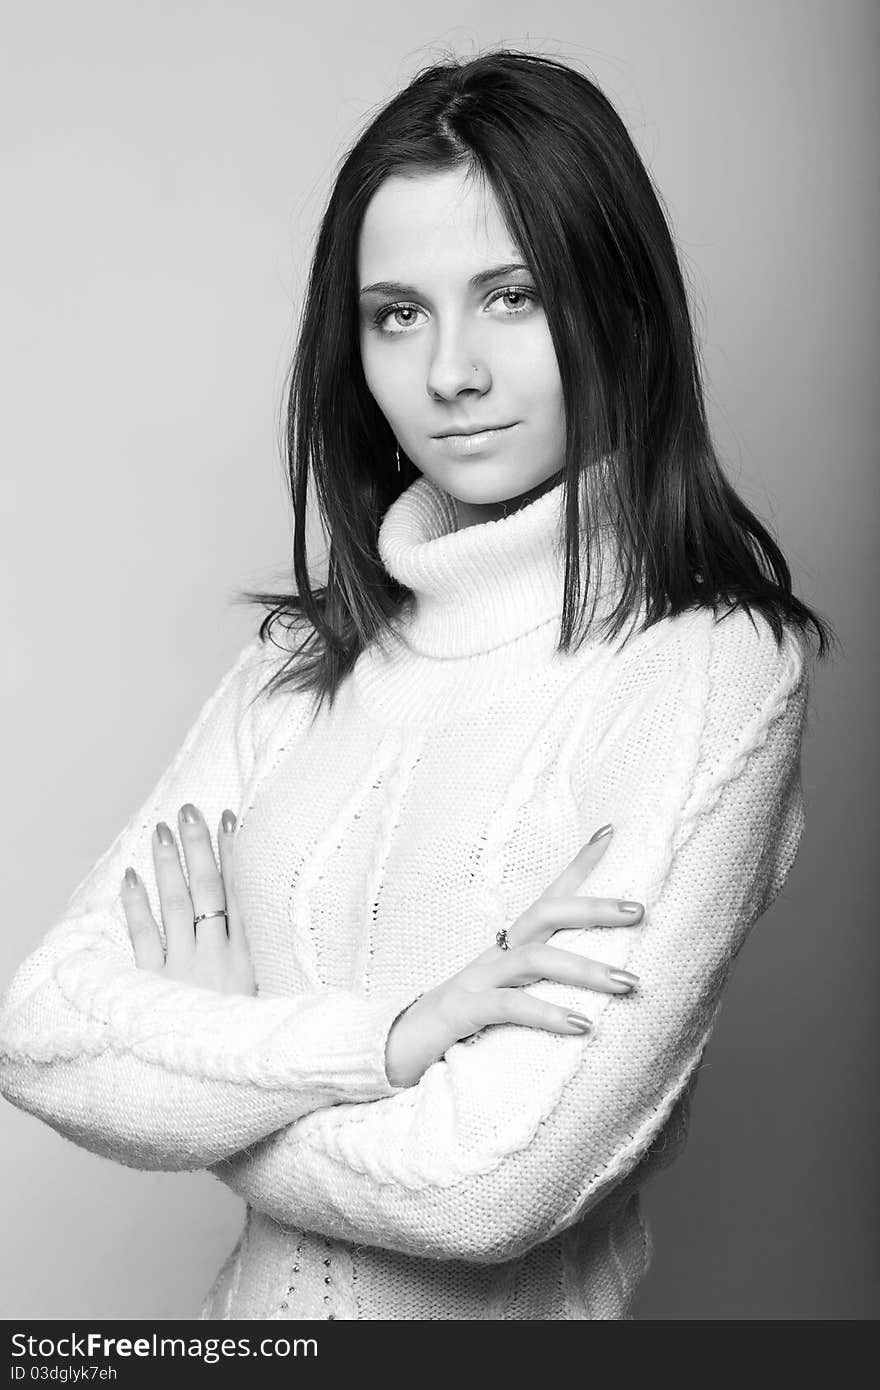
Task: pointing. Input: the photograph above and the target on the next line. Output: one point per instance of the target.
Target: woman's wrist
(402, 1066)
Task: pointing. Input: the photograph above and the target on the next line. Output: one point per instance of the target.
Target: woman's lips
(473, 443)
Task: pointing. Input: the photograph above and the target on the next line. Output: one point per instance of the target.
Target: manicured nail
(582, 1024)
(189, 813)
(131, 878)
(623, 977)
(165, 836)
(630, 907)
(227, 820)
(605, 830)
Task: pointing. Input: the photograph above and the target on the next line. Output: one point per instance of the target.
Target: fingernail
(131, 878)
(630, 907)
(578, 1021)
(165, 836)
(623, 977)
(605, 830)
(227, 820)
(189, 813)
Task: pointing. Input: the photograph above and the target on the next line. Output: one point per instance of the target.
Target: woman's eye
(515, 293)
(400, 315)
(397, 319)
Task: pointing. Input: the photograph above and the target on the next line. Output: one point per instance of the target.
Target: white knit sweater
(377, 853)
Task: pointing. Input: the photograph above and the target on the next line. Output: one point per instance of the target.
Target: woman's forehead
(439, 222)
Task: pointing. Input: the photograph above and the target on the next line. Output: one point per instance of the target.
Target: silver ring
(501, 939)
(221, 912)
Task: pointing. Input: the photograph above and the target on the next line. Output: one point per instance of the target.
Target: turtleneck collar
(482, 586)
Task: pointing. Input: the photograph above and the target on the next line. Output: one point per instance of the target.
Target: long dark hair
(589, 224)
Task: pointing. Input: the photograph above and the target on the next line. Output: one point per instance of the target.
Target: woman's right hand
(488, 989)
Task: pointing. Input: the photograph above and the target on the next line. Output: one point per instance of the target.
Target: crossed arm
(505, 1143)
(506, 1140)
(157, 1073)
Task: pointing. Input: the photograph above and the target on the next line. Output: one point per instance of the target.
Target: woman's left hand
(214, 954)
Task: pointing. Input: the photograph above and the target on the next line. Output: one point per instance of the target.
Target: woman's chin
(484, 482)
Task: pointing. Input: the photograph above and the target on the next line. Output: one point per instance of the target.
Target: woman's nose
(455, 370)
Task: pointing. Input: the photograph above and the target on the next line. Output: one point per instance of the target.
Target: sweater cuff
(378, 1018)
(329, 1042)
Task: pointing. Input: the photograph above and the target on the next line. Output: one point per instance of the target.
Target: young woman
(484, 860)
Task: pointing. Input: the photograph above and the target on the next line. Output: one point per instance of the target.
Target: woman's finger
(206, 889)
(534, 962)
(226, 845)
(174, 899)
(143, 928)
(548, 915)
(516, 1006)
(576, 871)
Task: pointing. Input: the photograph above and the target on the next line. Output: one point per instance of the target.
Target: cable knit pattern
(152, 1072)
(463, 765)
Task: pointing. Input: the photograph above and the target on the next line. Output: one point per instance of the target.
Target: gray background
(164, 169)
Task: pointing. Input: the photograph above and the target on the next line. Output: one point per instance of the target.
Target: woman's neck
(475, 513)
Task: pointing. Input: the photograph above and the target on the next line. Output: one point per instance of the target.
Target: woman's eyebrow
(476, 282)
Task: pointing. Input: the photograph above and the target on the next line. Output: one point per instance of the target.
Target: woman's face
(454, 340)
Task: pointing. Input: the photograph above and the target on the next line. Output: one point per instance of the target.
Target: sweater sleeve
(157, 1073)
(517, 1133)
